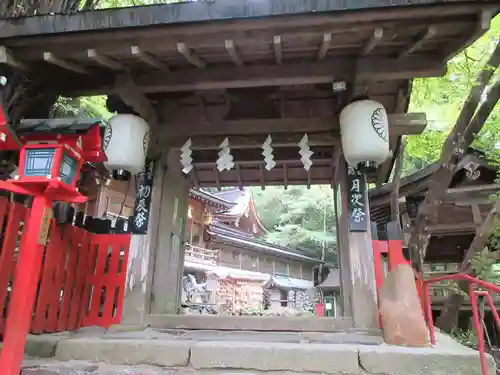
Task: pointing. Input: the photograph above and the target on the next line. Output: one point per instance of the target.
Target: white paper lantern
(125, 142)
(364, 132)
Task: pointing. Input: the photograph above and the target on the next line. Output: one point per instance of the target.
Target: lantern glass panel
(68, 169)
(39, 162)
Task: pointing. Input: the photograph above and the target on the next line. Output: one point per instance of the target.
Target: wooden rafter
(278, 49)
(232, 52)
(190, 56)
(325, 46)
(148, 58)
(421, 39)
(373, 41)
(455, 145)
(482, 25)
(51, 59)
(8, 58)
(108, 62)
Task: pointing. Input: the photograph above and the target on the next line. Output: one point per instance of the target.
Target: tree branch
(454, 147)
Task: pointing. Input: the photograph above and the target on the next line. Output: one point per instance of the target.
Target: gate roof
(246, 69)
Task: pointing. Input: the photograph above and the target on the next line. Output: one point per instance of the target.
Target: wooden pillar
(169, 255)
(141, 259)
(356, 261)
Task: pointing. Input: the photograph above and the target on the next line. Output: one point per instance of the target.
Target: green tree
(441, 98)
(301, 218)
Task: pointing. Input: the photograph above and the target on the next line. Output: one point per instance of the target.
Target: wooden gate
(82, 279)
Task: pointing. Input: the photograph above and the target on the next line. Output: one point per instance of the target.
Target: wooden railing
(440, 290)
(196, 253)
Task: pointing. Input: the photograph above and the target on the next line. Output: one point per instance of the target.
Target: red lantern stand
(58, 185)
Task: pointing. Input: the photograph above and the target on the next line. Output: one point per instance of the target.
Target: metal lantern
(365, 133)
(126, 142)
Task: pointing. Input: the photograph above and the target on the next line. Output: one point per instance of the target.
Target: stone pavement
(151, 352)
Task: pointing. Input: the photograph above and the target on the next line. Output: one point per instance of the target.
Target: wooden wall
(233, 257)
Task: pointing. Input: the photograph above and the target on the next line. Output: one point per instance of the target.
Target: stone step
(448, 357)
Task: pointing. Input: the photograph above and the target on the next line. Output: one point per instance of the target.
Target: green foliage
(82, 107)
(466, 337)
(441, 98)
(300, 217)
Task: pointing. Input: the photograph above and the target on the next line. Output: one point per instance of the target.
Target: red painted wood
(53, 322)
(395, 253)
(69, 280)
(105, 309)
(47, 289)
(7, 256)
(82, 271)
(19, 314)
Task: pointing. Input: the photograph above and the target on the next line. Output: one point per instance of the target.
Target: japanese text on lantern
(356, 186)
(140, 219)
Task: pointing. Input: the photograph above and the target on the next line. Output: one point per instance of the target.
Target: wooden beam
(470, 192)
(148, 58)
(190, 56)
(373, 41)
(400, 123)
(396, 183)
(105, 61)
(373, 69)
(278, 49)
(250, 174)
(51, 59)
(222, 78)
(455, 145)
(421, 39)
(128, 92)
(7, 58)
(325, 46)
(256, 141)
(482, 26)
(233, 54)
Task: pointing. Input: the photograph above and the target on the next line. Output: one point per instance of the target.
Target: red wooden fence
(82, 279)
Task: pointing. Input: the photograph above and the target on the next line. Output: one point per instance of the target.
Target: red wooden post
(25, 285)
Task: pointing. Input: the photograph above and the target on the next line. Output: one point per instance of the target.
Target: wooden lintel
(372, 42)
(399, 124)
(421, 39)
(148, 59)
(51, 59)
(7, 58)
(190, 56)
(233, 54)
(278, 49)
(256, 141)
(104, 60)
(325, 46)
